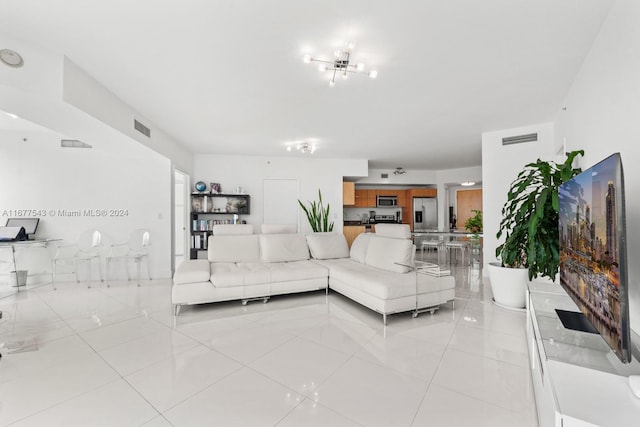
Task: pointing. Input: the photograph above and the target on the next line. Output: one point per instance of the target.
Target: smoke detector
(11, 58)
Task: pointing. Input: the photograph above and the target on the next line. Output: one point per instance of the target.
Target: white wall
(249, 172)
(500, 166)
(38, 174)
(603, 117)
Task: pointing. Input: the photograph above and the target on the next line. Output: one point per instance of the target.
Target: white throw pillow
(283, 247)
(328, 245)
(238, 248)
(387, 253)
(359, 247)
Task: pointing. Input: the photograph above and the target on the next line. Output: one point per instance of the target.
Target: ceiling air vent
(384, 175)
(142, 128)
(520, 139)
(73, 143)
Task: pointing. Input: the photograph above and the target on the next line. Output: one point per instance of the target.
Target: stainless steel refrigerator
(425, 214)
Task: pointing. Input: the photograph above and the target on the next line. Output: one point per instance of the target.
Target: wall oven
(387, 201)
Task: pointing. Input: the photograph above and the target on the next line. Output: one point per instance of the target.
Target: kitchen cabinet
(351, 232)
(348, 193)
(365, 199)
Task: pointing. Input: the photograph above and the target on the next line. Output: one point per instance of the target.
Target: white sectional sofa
(247, 266)
(374, 273)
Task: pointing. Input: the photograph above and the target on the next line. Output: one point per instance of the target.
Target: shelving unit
(577, 379)
(208, 210)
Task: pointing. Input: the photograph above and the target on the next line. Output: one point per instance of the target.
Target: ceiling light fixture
(467, 183)
(303, 147)
(11, 58)
(341, 64)
(399, 171)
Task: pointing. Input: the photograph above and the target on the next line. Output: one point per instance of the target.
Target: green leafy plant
(530, 217)
(317, 214)
(474, 223)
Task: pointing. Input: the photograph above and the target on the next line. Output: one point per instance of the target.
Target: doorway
(466, 202)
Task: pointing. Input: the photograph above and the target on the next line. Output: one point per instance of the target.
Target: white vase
(508, 285)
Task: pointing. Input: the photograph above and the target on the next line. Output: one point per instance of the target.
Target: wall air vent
(520, 139)
(73, 143)
(384, 175)
(142, 128)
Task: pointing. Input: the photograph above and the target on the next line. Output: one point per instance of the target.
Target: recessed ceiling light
(11, 58)
(467, 183)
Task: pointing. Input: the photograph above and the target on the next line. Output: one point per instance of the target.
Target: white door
(180, 218)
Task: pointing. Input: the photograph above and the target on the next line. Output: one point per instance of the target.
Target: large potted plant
(318, 215)
(530, 226)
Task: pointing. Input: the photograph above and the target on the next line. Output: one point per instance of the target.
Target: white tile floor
(115, 357)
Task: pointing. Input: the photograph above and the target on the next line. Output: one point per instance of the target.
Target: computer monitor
(30, 224)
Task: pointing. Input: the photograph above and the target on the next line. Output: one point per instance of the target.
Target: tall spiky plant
(317, 214)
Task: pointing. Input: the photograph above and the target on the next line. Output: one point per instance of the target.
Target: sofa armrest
(192, 271)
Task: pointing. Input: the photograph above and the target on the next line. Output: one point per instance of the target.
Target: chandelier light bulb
(351, 45)
(345, 75)
(307, 59)
(332, 83)
(360, 67)
(337, 53)
(373, 74)
(288, 148)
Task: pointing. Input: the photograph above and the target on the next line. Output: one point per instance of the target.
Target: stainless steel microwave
(386, 201)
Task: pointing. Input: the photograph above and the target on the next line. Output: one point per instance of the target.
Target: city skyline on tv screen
(590, 248)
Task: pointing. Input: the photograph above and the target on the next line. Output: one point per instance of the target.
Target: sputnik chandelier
(341, 65)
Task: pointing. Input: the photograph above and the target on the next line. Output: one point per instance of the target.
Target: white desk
(18, 244)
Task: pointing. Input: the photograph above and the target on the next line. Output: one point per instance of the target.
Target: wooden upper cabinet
(361, 198)
(348, 193)
(423, 192)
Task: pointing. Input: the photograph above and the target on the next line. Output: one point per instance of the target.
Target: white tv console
(577, 379)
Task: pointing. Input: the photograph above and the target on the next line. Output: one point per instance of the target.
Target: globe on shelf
(200, 186)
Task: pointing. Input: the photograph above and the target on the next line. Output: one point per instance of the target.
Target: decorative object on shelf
(530, 220)
(215, 188)
(399, 171)
(317, 214)
(341, 64)
(200, 186)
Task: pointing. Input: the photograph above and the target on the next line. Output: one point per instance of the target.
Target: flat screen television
(30, 224)
(593, 253)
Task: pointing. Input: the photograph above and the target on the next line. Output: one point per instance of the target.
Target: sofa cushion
(192, 271)
(398, 231)
(359, 247)
(240, 248)
(232, 229)
(296, 270)
(227, 274)
(386, 253)
(283, 247)
(328, 245)
(279, 228)
(373, 281)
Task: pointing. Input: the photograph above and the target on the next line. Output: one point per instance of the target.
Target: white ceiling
(227, 76)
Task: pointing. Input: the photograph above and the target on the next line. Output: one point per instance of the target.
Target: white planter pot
(508, 285)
